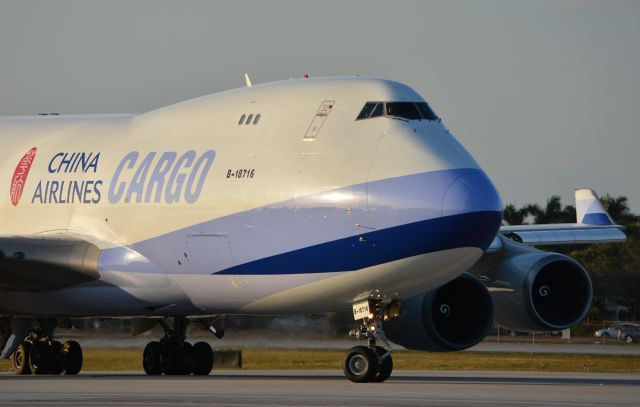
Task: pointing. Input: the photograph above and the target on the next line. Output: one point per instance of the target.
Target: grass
(312, 359)
(131, 359)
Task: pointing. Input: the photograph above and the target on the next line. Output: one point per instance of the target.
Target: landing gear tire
(187, 354)
(20, 358)
(57, 364)
(386, 365)
(360, 364)
(151, 358)
(40, 357)
(173, 359)
(202, 359)
(71, 358)
(39, 353)
(172, 355)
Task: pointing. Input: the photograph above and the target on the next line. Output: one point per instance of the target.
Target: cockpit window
(378, 110)
(426, 111)
(366, 110)
(403, 110)
(398, 110)
(371, 109)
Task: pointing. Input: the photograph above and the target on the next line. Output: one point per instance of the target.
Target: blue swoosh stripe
(249, 236)
(476, 229)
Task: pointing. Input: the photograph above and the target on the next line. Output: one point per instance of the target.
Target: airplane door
(319, 119)
(207, 253)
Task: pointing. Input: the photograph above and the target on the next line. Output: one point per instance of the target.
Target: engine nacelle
(534, 290)
(455, 316)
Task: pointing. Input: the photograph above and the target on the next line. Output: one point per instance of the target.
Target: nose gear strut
(370, 363)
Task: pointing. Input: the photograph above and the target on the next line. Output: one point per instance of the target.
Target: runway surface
(325, 388)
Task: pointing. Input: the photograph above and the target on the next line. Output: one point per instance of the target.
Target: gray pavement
(325, 388)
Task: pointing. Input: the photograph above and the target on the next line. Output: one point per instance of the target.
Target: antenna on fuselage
(247, 80)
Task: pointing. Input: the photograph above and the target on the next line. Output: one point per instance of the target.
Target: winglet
(589, 209)
(247, 80)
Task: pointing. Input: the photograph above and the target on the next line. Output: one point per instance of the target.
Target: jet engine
(453, 317)
(534, 290)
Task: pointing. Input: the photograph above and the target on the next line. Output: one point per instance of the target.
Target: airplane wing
(593, 225)
(46, 263)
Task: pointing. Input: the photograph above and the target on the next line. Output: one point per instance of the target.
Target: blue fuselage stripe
(398, 217)
(475, 229)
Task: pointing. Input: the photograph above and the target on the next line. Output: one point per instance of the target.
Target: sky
(545, 94)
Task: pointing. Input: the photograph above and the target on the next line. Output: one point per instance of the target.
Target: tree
(615, 271)
(553, 212)
(512, 215)
(618, 209)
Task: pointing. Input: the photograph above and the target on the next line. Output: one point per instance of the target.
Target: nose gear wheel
(370, 363)
(361, 364)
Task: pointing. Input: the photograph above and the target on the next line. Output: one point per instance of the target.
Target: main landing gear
(371, 363)
(39, 354)
(173, 356)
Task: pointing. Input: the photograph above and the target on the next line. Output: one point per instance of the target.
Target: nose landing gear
(371, 363)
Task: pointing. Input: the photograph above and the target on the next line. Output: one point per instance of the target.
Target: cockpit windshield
(397, 110)
(371, 109)
(404, 110)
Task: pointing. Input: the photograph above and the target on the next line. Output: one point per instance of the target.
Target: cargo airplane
(301, 196)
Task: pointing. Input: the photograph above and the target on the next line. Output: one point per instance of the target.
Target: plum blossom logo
(20, 175)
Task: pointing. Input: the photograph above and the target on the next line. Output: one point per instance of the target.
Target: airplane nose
(474, 209)
(473, 191)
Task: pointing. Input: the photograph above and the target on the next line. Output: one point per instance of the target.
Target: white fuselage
(196, 213)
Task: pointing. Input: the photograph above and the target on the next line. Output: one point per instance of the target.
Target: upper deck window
(398, 110)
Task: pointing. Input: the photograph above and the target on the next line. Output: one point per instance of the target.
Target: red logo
(20, 175)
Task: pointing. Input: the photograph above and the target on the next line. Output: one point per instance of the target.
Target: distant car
(612, 331)
(630, 334)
